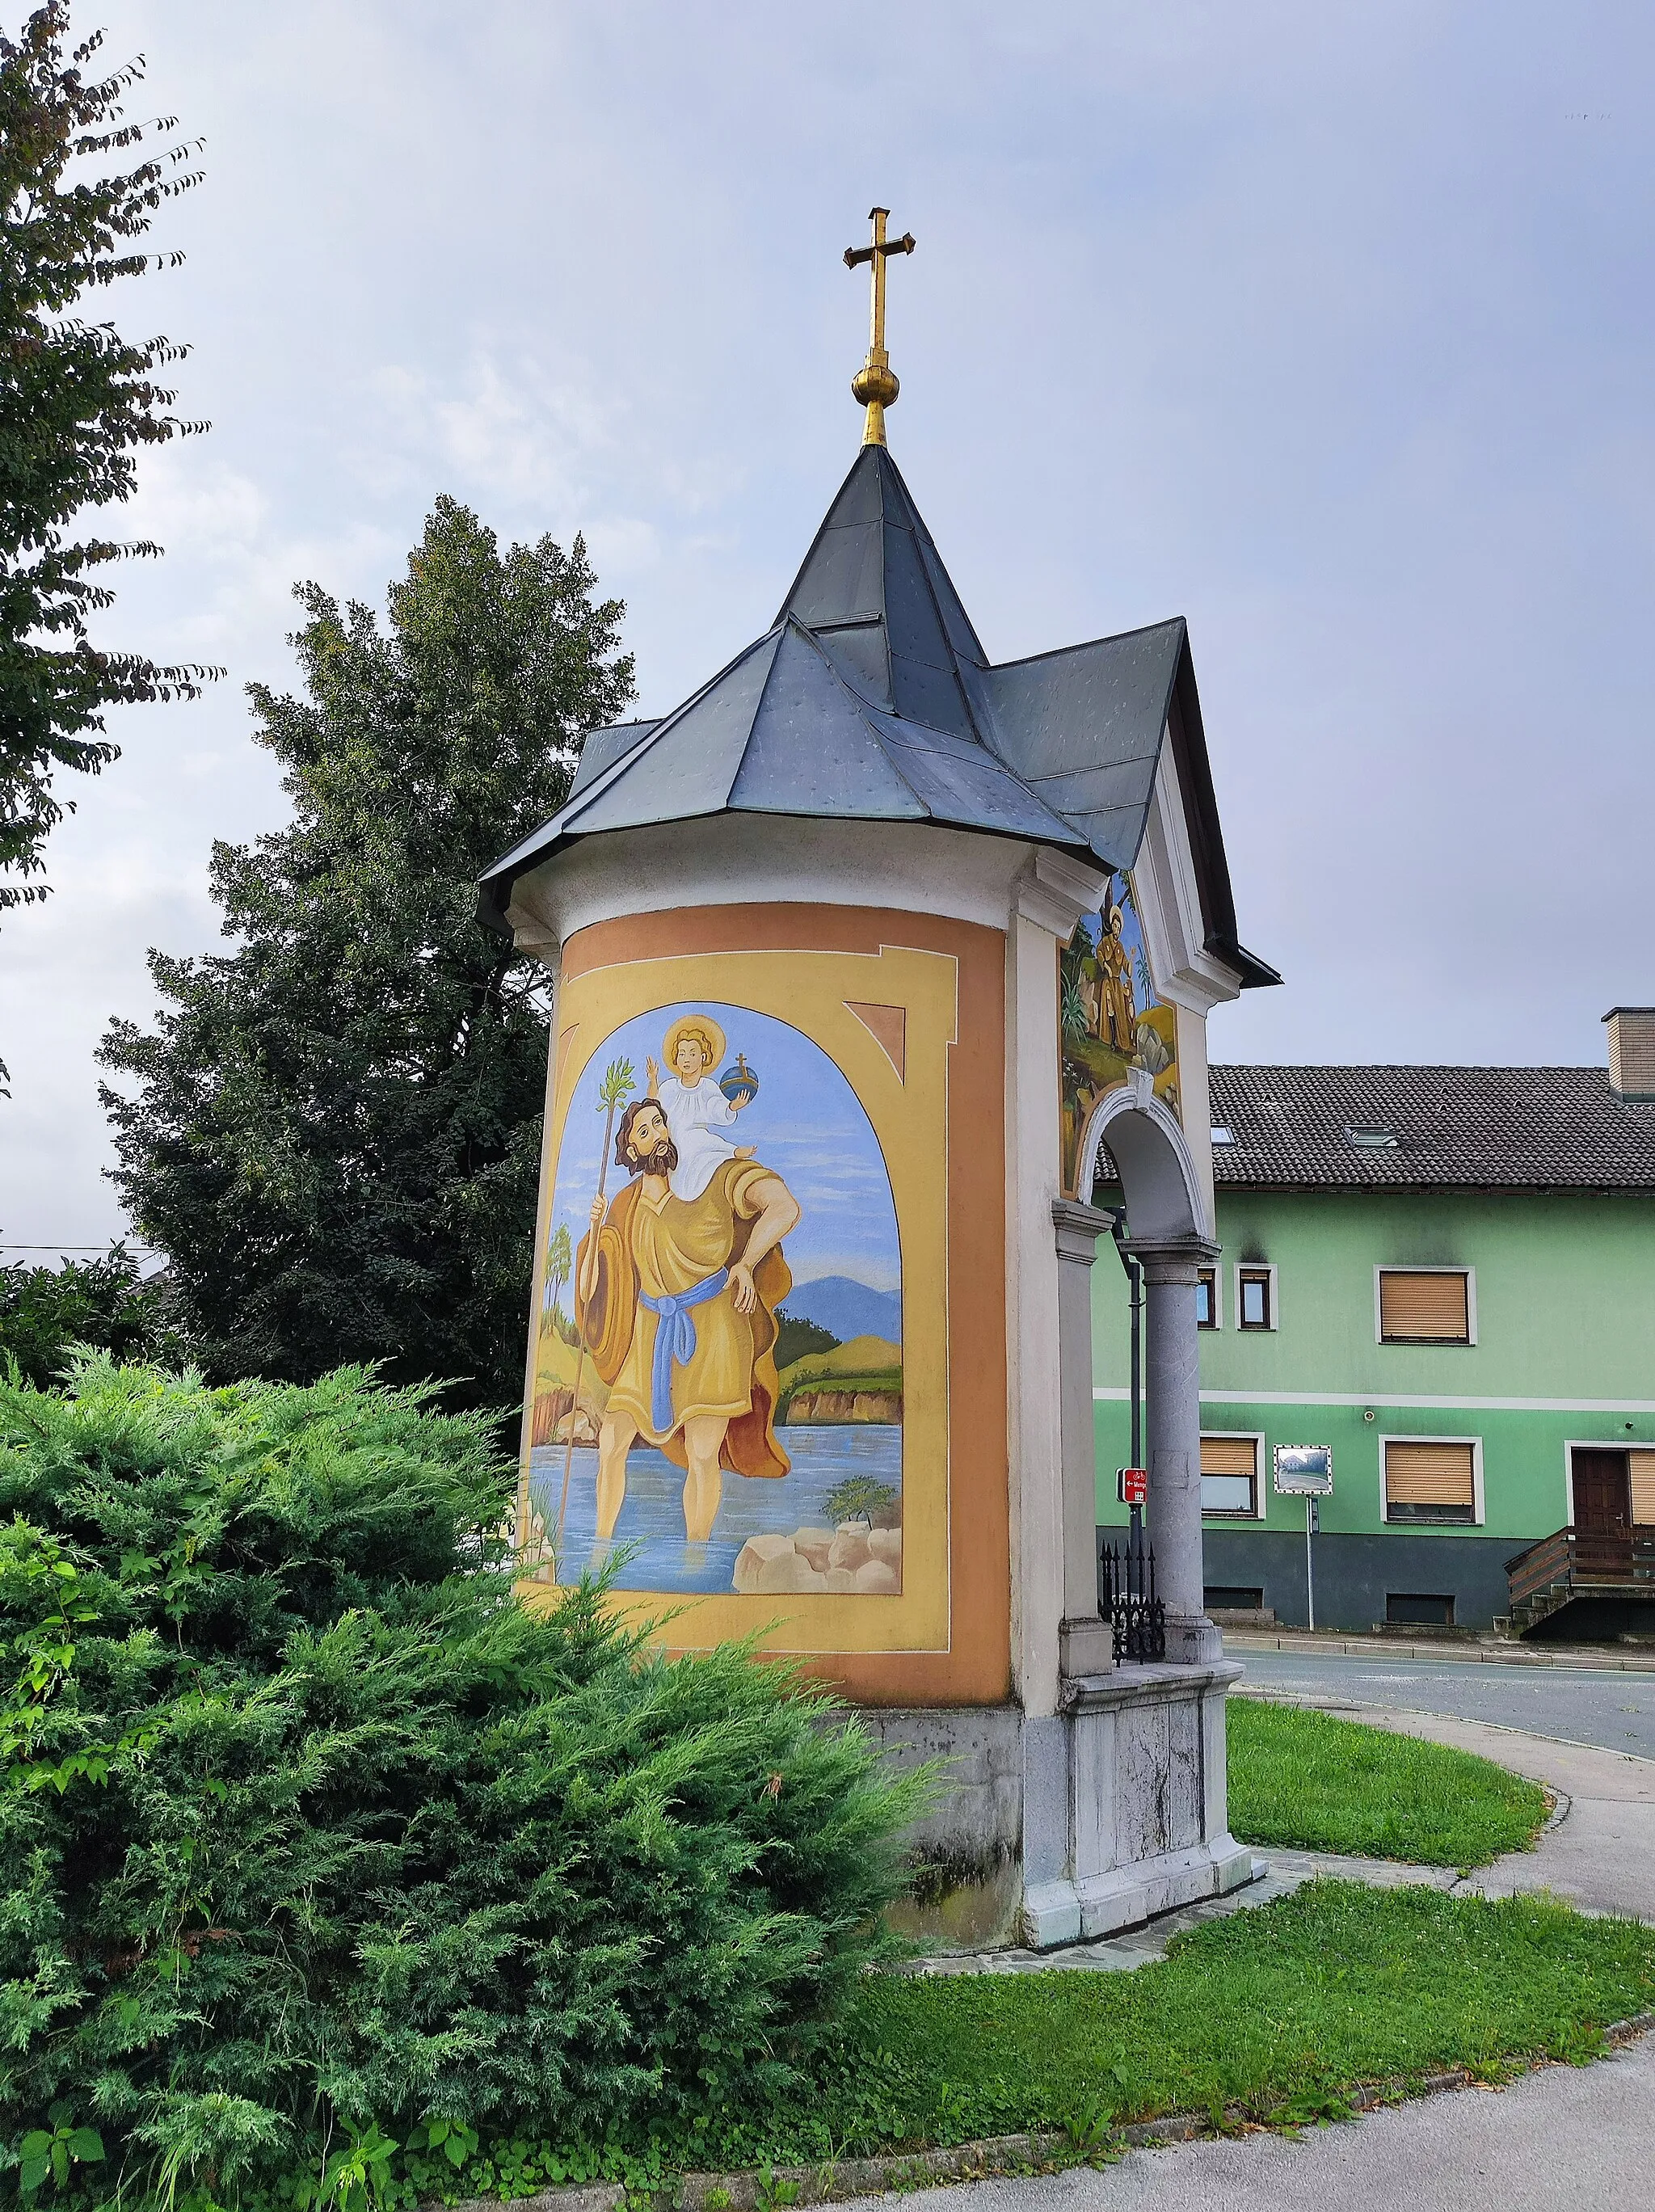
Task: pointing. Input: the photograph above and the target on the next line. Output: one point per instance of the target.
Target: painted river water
(651, 1523)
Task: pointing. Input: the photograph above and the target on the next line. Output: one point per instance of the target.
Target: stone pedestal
(1053, 1830)
(1148, 1830)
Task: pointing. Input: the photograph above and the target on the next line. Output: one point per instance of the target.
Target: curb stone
(992, 2154)
(583, 2197)
(870, 2177)
(835, 2180)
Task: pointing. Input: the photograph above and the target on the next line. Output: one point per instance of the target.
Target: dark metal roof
(1491, 1128)
(603, 748)
(872, 699)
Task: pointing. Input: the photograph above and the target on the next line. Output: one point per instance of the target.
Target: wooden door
(1602, 1512)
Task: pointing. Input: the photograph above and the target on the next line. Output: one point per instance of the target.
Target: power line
(147, 1250)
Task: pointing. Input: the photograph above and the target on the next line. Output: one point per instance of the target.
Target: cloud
(516, 440)
(1313, 325)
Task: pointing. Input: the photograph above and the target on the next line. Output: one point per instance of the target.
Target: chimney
(1632, 1051)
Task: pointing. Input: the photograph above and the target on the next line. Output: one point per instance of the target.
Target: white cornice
(1168, 894)
(730, 859)
(1056, 890)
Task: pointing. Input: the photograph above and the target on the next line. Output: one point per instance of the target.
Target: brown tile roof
(1530, 1128)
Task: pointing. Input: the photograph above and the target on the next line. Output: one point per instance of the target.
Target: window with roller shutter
(1425, 1305)
(1430, 1479)
(1229, 1477)
(1642, 1466)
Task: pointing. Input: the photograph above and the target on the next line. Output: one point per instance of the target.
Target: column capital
(1174, 1259)
(1079, 1228)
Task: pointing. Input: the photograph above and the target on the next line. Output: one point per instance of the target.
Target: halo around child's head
(706, 1034)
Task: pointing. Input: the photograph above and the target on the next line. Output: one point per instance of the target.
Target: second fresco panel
(1110, 1019)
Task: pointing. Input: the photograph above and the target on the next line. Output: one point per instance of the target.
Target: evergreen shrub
(312, 1829)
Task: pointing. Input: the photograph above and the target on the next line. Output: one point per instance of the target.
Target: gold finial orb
(874, 383)
(875, 386)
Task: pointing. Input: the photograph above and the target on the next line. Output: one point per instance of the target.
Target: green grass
(1275, 2015)
(1282, 2011)
(1301, 1779)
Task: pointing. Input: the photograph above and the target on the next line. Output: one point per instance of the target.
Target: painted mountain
(848, 1308)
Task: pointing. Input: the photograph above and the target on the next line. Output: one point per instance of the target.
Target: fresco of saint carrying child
(736, 1306)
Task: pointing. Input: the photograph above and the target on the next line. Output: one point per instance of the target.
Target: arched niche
(1164, 1202)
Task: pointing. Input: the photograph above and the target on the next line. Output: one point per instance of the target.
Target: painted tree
(560, 1259)
(616, 1087)
(334, 1130)
(77, 403)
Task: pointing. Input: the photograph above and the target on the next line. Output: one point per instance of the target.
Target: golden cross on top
(874, 384)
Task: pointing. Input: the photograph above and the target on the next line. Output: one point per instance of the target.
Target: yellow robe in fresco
(667, 1247)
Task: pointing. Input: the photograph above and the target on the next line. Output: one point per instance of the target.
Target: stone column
(1172, 1412)
(1085, 1642)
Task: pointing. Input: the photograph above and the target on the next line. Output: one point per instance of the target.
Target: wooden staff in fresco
(612, 1093)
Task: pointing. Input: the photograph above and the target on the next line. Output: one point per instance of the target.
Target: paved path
(1577, 2135)
(1609, 1707)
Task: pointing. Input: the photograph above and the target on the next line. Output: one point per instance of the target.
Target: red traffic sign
(1132, 1484)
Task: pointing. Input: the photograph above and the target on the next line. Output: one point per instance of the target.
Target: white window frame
(1217, 1323)
(1255, 1268)
(1260, 1488)
(1413, 1436)
(1424, 1344)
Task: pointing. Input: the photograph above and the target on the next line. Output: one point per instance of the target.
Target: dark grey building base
(1361, 1580)
(967, 1852)
(1597, 1620)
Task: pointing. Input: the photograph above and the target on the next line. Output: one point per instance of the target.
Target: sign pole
(1306, 1471)
(1138, 1492)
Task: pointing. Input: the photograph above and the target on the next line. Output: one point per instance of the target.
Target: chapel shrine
(874, 961)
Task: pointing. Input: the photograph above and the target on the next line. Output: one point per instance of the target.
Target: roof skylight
(1370, 1137)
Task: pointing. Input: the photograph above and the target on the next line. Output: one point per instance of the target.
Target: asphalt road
(1613, 1710)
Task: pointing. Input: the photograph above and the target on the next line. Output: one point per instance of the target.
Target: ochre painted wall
(946, 1638)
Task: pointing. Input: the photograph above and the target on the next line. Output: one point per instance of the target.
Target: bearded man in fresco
(1115, 963)
(677, 1299)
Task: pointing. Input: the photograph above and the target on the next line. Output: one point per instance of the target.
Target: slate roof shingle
(871, 699)
(1491, 1128)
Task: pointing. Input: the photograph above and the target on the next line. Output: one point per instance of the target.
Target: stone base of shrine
(1053, 1830)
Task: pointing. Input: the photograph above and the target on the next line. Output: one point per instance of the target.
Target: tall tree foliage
(334, 1133)
(77, 402)
(45, 1313)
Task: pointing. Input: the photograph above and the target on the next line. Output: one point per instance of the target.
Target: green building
(1447, 1275)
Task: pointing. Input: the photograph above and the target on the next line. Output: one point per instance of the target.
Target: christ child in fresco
(695, 1107)
(677, 1298)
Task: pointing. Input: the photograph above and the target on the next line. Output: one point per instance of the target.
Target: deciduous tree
(334, 1131)
(106, 1303)
(77, 402)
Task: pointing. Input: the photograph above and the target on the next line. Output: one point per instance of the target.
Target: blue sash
(675, 1342)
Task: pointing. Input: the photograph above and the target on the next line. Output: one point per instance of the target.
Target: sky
(805, 1122)
(1328, 327)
